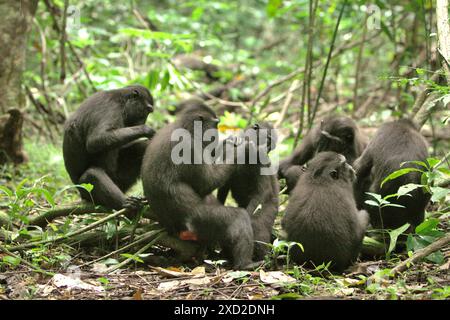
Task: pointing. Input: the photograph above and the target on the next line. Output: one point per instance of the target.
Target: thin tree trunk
(15, 17)
(443, 30)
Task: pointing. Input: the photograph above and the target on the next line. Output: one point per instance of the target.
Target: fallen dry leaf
(198, 271)
(169, 286)
(137, 295)
(198, 281)
(272, 277)
(170, 272)
(60, 280)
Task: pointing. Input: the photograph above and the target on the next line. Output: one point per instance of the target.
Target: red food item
(188, 235)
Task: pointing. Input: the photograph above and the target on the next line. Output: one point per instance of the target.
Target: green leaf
(110, 261)
(372, 203)
(165, 80)
(157, 54)
(103, 280)
(407, 188)
(394, 234)
(376, 196)
(272, 7)
(154, 35)
(445, 171)
(428, 225)
(420, 71)
(19, 188)
(438, 193)
(47, 195)
(238, 274)
(291, 244)
(197, 13)
(419, 163)
(132, 257)
(287, 296)
(436, 257)
(7, 191)
(152, 79)
(86, 186)
(11, 260)
(433, 162)
(399, 173)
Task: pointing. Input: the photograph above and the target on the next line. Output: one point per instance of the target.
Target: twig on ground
(144, 237)
(69, 235)
(422, 253)
(35, 268)
(125, 262)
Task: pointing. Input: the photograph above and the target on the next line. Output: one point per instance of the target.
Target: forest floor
(421, 281)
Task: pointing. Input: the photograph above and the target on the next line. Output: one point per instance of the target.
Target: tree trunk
(443, 29)
(15, 17)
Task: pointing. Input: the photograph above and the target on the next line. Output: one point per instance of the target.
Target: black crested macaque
(102, 144)
(322, 213)
(255, 190)
(178, 191)
(394, 143)
(335, 133)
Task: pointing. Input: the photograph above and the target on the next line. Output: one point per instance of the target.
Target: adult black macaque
(394, 143)
(322, 214)
(102, 144)
(336, 133)
(255, 190)
(178, 191)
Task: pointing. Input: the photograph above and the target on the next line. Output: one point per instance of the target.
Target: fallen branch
(125, 262)
(69, 235)
(144, 237)
(45, 218)
(35, 268)
(422, 253)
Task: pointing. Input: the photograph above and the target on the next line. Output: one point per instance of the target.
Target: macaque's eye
(136, 93)
(334, 174)
(201, 118)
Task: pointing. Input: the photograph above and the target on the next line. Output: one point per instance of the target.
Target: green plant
(431, 172)
(280, 247)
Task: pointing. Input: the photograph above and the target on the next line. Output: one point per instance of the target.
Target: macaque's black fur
(322, 214)
(178, 193)
(335, 133)
(102, 144)
(394, 143)
(255, 192)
